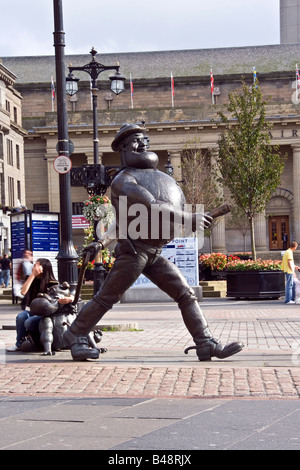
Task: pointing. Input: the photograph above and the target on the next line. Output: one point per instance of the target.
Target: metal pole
(95, 126)
(67, 256)
(99, 270)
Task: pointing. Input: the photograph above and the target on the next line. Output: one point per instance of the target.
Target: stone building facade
(289, 21)
(12, 171)
(169, 127)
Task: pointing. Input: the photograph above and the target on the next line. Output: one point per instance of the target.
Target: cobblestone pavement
(148, 360)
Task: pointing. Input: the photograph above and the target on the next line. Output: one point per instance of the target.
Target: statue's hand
(201, 221)
(207, 220)
(92, 249)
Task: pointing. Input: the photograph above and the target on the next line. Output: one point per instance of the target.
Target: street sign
(62, 164)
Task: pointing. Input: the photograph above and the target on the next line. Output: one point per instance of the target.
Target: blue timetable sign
(45, 235)
(18, 235)
(37, 232)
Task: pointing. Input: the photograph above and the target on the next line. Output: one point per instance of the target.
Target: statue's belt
(144, 247)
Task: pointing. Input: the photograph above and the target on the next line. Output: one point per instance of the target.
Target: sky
(154, 25)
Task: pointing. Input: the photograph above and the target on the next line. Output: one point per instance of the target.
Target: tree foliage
(246, 163)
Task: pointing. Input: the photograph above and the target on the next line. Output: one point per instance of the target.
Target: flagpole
(297, 87)
(172, 89)
(212, 87)
(254, 77)
(52, 93)
(131, 91)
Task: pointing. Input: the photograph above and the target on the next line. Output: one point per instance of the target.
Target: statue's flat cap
(125, 131)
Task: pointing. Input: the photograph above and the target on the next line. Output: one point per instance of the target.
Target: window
(2, 197)
(15, 114)
(11, 192)
(77, 208)
(9, 148)
(18, 156)
(7, 106)
(41, 207)
(1, 146)
(19, 190)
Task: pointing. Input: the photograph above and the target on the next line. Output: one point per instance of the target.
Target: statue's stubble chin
(142, 160)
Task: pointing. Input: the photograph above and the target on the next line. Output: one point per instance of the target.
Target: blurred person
(6, 267)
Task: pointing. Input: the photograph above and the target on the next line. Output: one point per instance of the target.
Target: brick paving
(149, 361)
(85, 379)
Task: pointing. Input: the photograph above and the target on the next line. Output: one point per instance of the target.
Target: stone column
(90, 157)
(260, 232)
(296, 191)
(218, 231)
(175, 158)
(218, 236)
(53, 185)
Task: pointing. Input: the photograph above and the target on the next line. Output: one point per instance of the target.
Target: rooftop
(159, 64)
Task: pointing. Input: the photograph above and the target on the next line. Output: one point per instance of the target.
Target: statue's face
(134, 152)
(135, 143)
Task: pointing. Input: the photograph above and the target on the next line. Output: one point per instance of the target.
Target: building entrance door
(278, 226)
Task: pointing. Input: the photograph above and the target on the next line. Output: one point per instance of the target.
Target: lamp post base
(99, 276)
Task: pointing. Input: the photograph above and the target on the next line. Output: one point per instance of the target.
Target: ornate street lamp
(94, 69)
(117, 83)
(169, 167)
(71, 84)
(94, 177)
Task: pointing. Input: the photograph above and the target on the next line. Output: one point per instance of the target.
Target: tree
(246, 163)
(239, 220)
(198, 182)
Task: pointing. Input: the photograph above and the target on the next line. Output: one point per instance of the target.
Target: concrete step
(213, 288)
(87, 291)
(218, 284)
(6, 295)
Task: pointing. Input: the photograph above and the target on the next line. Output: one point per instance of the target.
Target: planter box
(255, 284)
(205, 274)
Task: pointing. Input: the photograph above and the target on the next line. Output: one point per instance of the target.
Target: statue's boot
(77, 336)
(206, 346)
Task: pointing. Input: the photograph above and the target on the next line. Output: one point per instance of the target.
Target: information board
(183, 252)
(37, 232)
(45, 237)
(18, 235)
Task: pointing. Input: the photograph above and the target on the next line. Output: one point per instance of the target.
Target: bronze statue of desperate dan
(140, 186)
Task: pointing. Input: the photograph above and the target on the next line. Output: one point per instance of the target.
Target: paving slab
(149, 424)
(146, 395)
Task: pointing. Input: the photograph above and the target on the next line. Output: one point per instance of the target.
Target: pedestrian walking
(289, 267)
(6, 267)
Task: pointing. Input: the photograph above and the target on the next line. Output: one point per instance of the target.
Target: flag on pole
(254, 77)
(131, 91)
(297, 78)
(52, 92)
(172, 89)
(212, 86)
